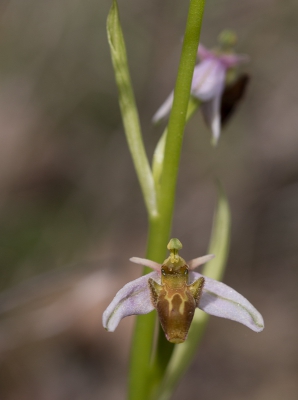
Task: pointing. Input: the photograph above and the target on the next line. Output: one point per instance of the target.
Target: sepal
(222, 301)
(132, 299)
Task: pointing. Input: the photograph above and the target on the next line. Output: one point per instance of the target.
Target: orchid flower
(209, 80)
(175, 290)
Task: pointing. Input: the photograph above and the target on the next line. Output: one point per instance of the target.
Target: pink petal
(204, 53)
(147, 263)
(133, 298)
(196, 262)
(232, 60)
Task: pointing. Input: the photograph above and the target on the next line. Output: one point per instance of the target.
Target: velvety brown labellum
(175, 301)
(232, 95)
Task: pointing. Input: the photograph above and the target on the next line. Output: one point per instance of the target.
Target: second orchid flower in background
(215, 79)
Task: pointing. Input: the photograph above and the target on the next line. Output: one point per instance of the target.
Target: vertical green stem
(140, 375)
(142, 370)
(179, 109)
(159, 152)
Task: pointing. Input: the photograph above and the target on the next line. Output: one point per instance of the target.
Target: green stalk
(146, 372)
(159, 152)
(145, 375)
(141, 364)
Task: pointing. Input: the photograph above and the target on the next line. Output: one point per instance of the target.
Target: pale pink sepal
(132, 299)
(222, 301)
(211, 113)
(208, 79)
(208, 85)
(164, 109)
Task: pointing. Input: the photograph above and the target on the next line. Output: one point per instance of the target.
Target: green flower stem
(141, 374)
(143, 377)
(129, 110)
(178, 113)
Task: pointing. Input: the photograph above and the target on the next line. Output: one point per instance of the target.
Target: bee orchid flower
(175, 290)
(209, 81)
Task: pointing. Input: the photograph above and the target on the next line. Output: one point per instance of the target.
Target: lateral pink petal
(204, 53)
(232, 60)
(147, 263)
(196, 262)
(132, 299)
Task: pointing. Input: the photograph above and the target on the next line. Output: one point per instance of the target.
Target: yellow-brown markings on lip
(176, 302)
(175, 307)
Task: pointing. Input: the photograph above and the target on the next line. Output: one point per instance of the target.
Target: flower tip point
(261, 324)
(258, 328)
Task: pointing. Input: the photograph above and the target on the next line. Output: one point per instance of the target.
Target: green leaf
(129, 110)
(219, 245)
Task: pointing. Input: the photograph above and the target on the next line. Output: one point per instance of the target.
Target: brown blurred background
(71, 212)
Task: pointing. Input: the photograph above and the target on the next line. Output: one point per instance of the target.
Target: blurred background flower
(71, 209)
(214, 74)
